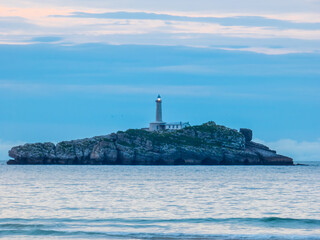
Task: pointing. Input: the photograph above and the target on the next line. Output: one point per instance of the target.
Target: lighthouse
(160, 125)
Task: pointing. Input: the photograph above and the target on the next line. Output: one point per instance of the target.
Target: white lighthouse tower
(159, 109)
(158, 125)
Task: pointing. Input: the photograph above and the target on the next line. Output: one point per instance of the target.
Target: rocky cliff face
(207, 144)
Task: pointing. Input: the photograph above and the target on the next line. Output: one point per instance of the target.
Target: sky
(73, 69)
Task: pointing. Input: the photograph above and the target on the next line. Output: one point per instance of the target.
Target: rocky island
(206, 144)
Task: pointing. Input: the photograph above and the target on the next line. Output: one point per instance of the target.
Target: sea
(160, 202)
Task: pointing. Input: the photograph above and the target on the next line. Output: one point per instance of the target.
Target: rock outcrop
(247, 133)
(207, 144)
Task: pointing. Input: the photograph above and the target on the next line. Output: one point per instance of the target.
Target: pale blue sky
(73, 69)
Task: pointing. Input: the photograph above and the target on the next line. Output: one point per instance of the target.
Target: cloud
(173, 90)
(8, 24)
(204, 6)
(105, 89)
(45, 39)
(298, 150)
(253, 21)
(156, 28)
(265, 50)
(202, 91)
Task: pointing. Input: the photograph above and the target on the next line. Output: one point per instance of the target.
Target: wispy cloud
(265, 50)
(174, 90)
(254, 21)
(31, 25)
(202, 91)
(51, 39)
(105, 89)
(201, 6)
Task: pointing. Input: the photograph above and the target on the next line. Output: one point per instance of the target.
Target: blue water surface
(160, 202)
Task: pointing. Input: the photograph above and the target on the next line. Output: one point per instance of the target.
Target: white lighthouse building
(160, 125)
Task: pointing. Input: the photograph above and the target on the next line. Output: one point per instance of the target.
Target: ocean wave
(20, 223)
(152, 220)
(146, 228)
(25, 234)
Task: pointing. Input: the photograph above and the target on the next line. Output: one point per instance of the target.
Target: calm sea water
(160, 202)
